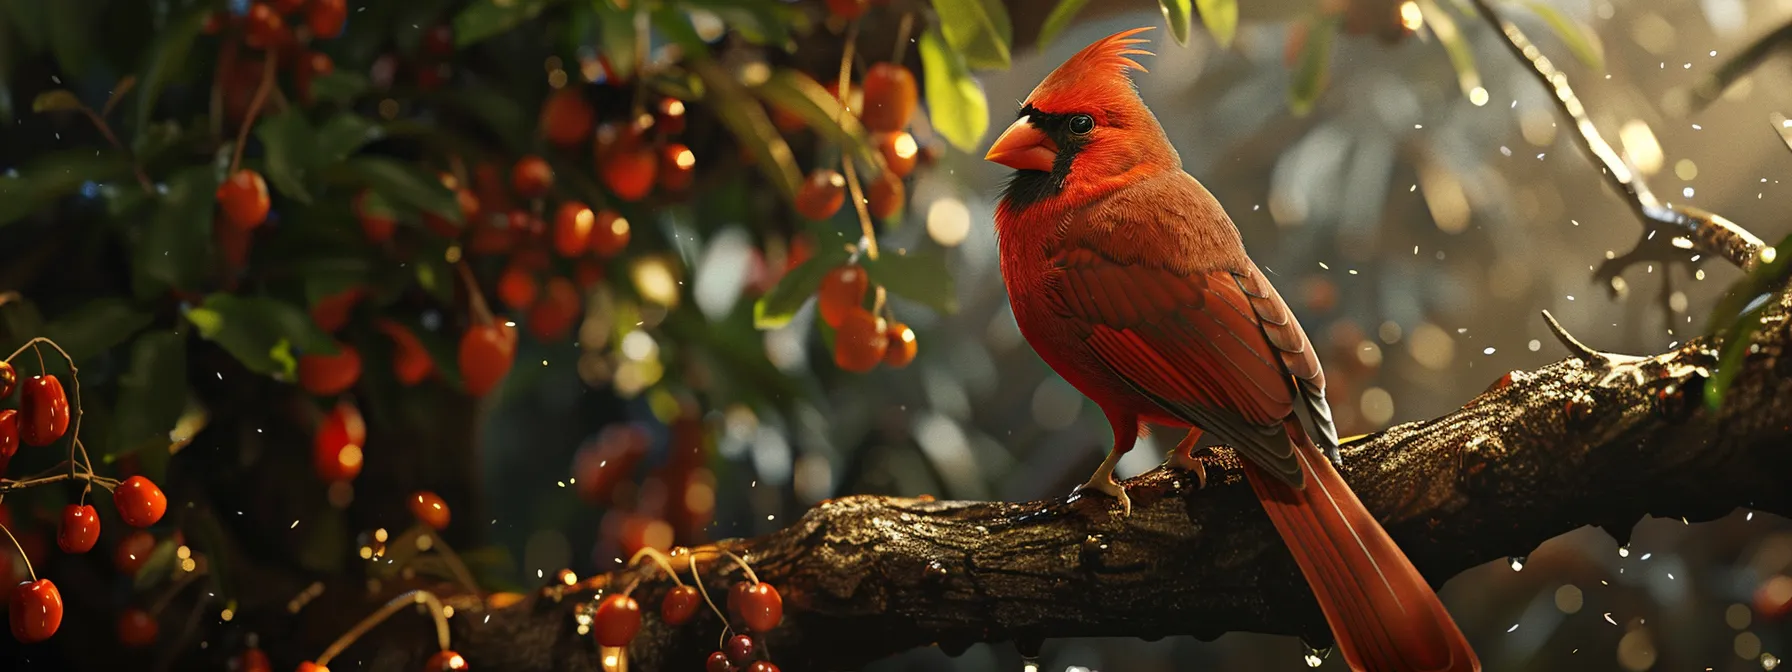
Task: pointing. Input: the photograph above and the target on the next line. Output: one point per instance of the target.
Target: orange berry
(332, 312)
(444, 661)
(140, 503)
(326, 17)
(566, 118)
(531, 177)
(378, 222)
(132, 551)
(890, 98)
(609, 235)
(309, 666)
(885, 195)
(429, 509)
(842, 291)
(253, 660)
(486, 353)
(244, 198)
(629, 172)
(324, 375)
(411, 363)
(553, 318)
(36, 611)
(263, 28)
(899, 151)
(336, 446)
(137, 628)
(572, 229)
(677, 166)
(821, 195)
(517, 287)
(861, 341)
(669, 115)
(902, 346)
(847, 10)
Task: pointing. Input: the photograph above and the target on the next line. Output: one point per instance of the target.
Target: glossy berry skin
(36, 611)
(244, 199)
(629, 171)
(137, 628)
(680, 605)
(327, 17)
(336, 448)
(760, 606)
(739, 649)
(132, 551)
(552, 318)
(899, 151)
(718, 662)
(609, 234)
(263, 27)
(617, 620)
(9, 378)
(902, 346)
(253, 660)
(677, 167)
(309, 666)
(517, 287)
(860, 341)
(573, 222)
(80, 528)
(445, 661)
(140, 503)
(531, 177)
(668, 116)
(325, 375)
(890, 98)
(885, 195)
(821, 195)
(566, 118)
(486, 353)
(9, 435)
(842, 290)
(43, 411)
(429, 508)
(762, 666)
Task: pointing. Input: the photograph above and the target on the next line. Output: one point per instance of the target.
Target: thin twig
(455, 565)
(1577, 348)
(902, 37)
(105, 130)
(658, 559)
(852, 174)
(414, 597)
(697, 578)
(261, 98)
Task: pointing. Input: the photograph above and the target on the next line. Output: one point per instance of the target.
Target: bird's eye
(1081, 124)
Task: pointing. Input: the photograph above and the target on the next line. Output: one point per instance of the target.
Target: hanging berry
(680, 605)
(43, 411)
(842, 290)
(80, 528)
(336, 448)
(486, 353)
(573, 223)
(429, 509)
(132, 551)
(445, 661)
(566, 118)
(759, 606)
(36, 611)
(532, 177)
(244, 198)
(140, 503)
(617, 620)
(137, 628)
(609, 234)
(890, 98)
(902, 346)
(325, 375)
(860, 342)
(821, 195)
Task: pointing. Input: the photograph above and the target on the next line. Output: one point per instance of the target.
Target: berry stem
(414, 597)
(743, 565)
(74, 380)
(658, 559)
(455, 565)
(482, 313)
(852, 173)
(180, 583)
(226, 62)
(105, 130)
(261, 97)
(697, 578)
(9, 485)
(902, 32)
(33, 572)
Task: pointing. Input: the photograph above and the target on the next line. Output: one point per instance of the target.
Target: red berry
(9, 437)
(890, 97)
(762, 666)
(140, 503)
(902, 346)
(566, 118)
(486, 353)
(324, 375)
(885, 195)
(378, 222)
(80, 528)
(36, 611)
(9, 378)
(609, 234)
(739, 649)
(531, 177)
(718, 662)
(439, 40)
(677, 166)
(137, 628)
(680, 605)
(517, 287)
(668, 116)
(842, 290)
(553, 317)
(253, 660)
(43, 411)
(429, 508)
(309, 666)
(629, 171)
(132, 551)
(410, 362)
(244, 198)
(573, 222)
(899, 151)
(759, 605)
(617, 620)
(848, 10)
(860, 341)
(445, 661)
(1773, 598)
(821, 195)
(263, 27)
(327, 17)
(332, 312)
(336, 448)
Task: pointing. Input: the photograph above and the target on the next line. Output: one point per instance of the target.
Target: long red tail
(1384, 615)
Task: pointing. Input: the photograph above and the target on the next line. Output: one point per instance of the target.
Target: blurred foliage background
(1406, 181)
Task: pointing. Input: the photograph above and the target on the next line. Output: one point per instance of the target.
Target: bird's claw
(1185, 461)
(1108, 487)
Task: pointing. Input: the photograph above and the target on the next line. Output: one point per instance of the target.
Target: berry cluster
(862, 338)
(755, 605)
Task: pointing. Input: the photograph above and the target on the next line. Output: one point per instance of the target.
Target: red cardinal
(1129, 279)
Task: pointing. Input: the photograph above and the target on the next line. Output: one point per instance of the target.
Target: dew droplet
(1029, 664)
(1517, 562)
(1624, 551)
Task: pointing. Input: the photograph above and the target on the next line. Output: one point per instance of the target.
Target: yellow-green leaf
(777, 306)
(56, 100)
(955, 101)
(801, 95)
(751, 126)
(1315, 65)
(1059, 19)
(1580, 39)
(978, 30)
(1179, 13)
(1221, 19)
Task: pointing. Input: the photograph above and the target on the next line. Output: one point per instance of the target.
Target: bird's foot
(1105, 484)
(1179, 459)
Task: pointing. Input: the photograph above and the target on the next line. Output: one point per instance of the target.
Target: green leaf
(616, 36)
(97, 326)
(500, 112)
(1179, 13)
(70, 24)
(176, 246)
(339, 87)
(341, 137)
(1221, 19)
(166, 59)
(152, 394)
(1581, 40)
(52, 177)
(1059, 19)
(979, 30)
(747, 120)
(156, 568)
(1730, 321)
(259, 331)
(921, 276)
(955, 101)
(1314, 68)
(801, 95)
(1461, 53)
(287, 141)
(484, 19)
(56, 100)
(776, 307)
(759, 21)
(401, 182)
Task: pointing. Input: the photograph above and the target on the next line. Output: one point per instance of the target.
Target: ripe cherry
(445, 661)
(890, 97)
(553, 316)
(378, 222)
(821, 195)
(429, 508)
(680, 605)
(439, 40)
(36, 611)
(739, 649)
(332, 312)
(629, 171)
(263, 27)
(884, 195)
(517, 287)
(677, 167)
(486, 353)
(842, 290)
(410, 362)
(9, 378)
(566, 118)
(902, 346)
(760, 605)
(9, 437)
(244, 198)
(132, 551)
(137, 628)
(861, 341)
(668, 116)
(573, 222)
(847, 10)
(532, 177)
(336, 448)
(80, 528)
(253, 660)
(609, 234)
(43, 411)
(140, 503)
(617, 620)
(324, 375)
(326, 17)
(762, 666)
(899, 151)
(718, 662)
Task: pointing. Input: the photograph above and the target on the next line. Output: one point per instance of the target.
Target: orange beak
(1024, 147)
